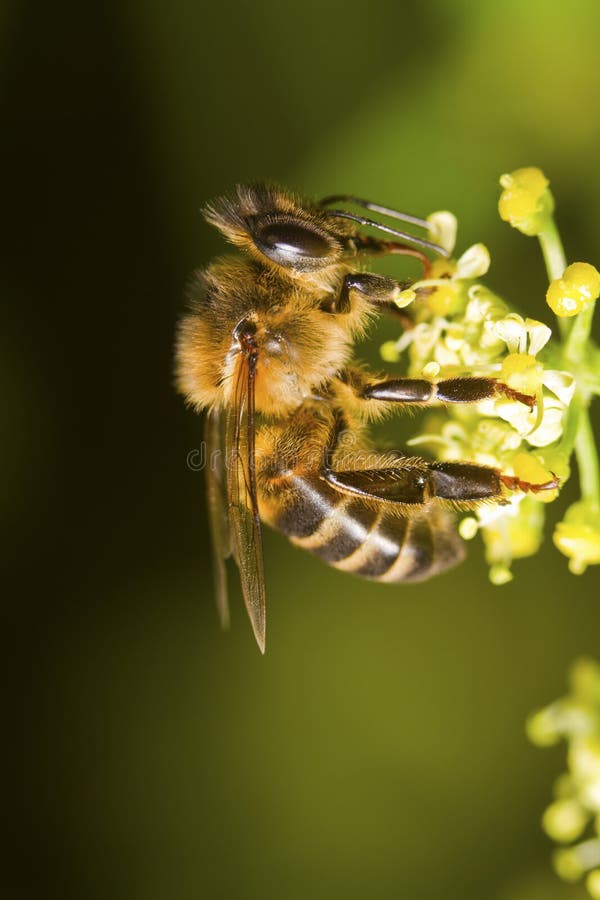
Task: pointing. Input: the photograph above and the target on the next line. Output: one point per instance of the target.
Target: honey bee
(267, 351)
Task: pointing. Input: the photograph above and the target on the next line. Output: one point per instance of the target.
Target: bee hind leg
(415, 482)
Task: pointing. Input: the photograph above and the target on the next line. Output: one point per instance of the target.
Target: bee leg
(372, 246)
(451, 390)
(464, 482)
(380, 290)
(414, 482)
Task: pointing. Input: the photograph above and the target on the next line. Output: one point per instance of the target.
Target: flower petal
(474, 262)
(539, 335)
(442, 229)
(562, 384)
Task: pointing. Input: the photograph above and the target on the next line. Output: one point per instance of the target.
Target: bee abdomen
(370, 540)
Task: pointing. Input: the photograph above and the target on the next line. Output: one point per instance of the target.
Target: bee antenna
(375, 207)
(410, 238)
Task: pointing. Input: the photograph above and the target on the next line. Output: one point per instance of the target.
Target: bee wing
(217, 510)
(244, 520)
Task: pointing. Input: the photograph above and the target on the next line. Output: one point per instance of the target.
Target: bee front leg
(380, 290)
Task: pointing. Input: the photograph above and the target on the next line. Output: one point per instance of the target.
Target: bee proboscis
(267, 351)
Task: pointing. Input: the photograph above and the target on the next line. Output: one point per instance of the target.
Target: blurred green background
(378, 749)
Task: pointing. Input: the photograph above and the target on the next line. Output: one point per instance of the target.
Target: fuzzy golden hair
(236, 216)
(301, 346)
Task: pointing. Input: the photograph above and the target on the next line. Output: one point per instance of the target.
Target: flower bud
(564, 820)
(567, 864)
(578, 536)
(542, 728)
(468, 528)
(389, 352)
(500, 575)
(526, 203)
(592, 883)
(578, 287)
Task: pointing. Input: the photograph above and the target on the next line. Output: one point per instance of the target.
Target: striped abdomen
(367, 538)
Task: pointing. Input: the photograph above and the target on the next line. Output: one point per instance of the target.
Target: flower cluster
(463, 328)
(573, 818)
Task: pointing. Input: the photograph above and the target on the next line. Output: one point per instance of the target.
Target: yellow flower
(578, 536)
(526, 203)
(445, 290)
(522, 372)
(528, 467)
(578, 287)
(524, 338)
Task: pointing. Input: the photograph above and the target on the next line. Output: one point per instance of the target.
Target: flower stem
(554, 258)
(552, 248)
(587, 461)
(579, 335)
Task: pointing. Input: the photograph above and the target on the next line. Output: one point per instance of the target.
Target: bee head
(278, 228)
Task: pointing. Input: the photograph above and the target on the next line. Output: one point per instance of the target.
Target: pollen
(522, 372)
(404, 298)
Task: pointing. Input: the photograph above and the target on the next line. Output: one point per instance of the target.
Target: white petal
(550, 429)
(489, 336)
(562, 384)
(425, 337)
(442, 229)
(487, 407)
(517, 415)
(405, 340)
(539, 335)
(446, 357)
(454, 339)
(511, 329)
(474, 262)
(492, 513)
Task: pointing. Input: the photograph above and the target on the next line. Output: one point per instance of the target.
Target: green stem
(569, 437)
(552, 248)
(579, 335)
(587, 461)
(554, 258)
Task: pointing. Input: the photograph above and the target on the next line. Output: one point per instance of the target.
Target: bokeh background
(378, 748)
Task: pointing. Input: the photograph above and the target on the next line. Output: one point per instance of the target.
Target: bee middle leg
(467, 389)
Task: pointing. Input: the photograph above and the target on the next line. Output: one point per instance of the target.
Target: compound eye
(294, 244)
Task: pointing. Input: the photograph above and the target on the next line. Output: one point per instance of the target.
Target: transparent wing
(217, 510)
(244, 520)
